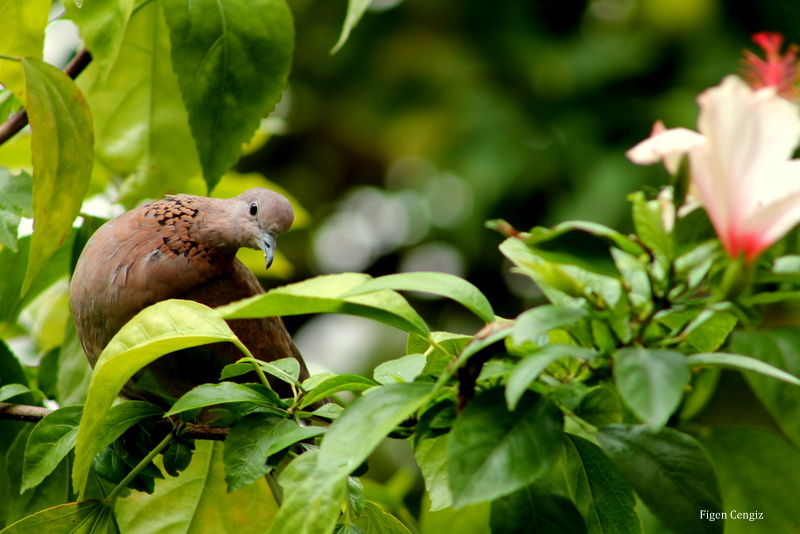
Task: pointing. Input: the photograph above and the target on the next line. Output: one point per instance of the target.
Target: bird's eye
(253, 209)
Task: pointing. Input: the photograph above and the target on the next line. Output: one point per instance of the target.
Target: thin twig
(19, 120)
(34, 414)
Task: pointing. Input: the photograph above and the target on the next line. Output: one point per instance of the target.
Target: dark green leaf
(600, 406)
(494, 452)
(604, 498)
(178, 456)
(102, 24)
(255, 438)
(123, 416)
(757, 472)
(49, 443)
(778, 348)
(741, 363)
(651, 382)
(533, 510)
(12, 390)
(232, 59)
(670, 472)
(530, 367)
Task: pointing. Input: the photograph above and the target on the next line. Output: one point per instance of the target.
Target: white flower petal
(667, 146)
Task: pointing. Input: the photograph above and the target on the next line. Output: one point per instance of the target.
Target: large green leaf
(232, 58)
(495, 452)
(778, 348)
(741, 363)
(671, 473)
(651, 382)
(22, 27)
(225, 392)
(307, 508)
(604, 498)
(140, 122)
(329, 294)
(62, 158)
(152, 333)
(531, 325)
(90, 517)
(375, 521)
(335, 384)
(758, 472)
(102, 24)
(441, 284)
(198, 502)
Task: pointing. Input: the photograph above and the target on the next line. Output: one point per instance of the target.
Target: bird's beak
(268, 245)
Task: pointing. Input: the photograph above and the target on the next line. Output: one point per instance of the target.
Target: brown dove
(182, 247)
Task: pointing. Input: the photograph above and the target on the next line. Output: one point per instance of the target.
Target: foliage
(560, 416)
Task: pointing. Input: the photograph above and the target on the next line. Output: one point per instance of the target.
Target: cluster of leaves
(560, 416)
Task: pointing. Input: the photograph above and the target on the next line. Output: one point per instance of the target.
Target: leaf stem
(254, 362)
(139, 467)
(10, 58)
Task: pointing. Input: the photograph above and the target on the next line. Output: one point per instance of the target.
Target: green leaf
(232, 59)
(149, 335)
(255, 438)
(670, 471)
(741, 363)
(308, 508)
(441, 284)
(355, 10)
(198, 501)
(651, 382)
(16, 200)
(581, 243)
(404, 369)
(90, 517)
(757, 470)
(288, 375)
(123, 416)
(604, 498)
(12, 390)
(776, 347)
(600, 406)
(530, 367)
(222, 393)
(102, 24)
(62, 158)
(494, 452)
(375, 521)
(649, 225)
(22, 26)
(178, 456)
(140, 121)
(531, 325)
(49, 443)
(335, 384)
(533, 510)
(328, 294)
(312, 505)
(431, 456)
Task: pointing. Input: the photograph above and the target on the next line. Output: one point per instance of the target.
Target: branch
(20, 119)
(34, 414)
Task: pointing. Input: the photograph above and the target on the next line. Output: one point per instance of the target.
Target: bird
(182, 247)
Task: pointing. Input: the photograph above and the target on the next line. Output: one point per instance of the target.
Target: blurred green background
(438, 115)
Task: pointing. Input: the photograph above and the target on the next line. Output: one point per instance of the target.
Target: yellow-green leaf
(62, 158)
(160, 329)
(22, 27)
